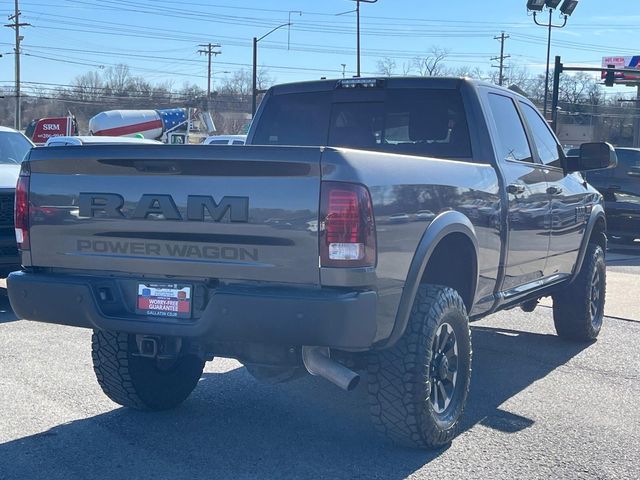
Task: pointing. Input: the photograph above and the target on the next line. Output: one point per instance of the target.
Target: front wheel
(140, 382)
(418, 388)
(578, 309)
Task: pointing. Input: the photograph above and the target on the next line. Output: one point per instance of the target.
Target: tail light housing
(347, 226)
(21, 208)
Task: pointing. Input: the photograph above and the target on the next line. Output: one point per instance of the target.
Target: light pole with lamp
(289, 29)
(567, 8)
(254, 95)
(357, 10)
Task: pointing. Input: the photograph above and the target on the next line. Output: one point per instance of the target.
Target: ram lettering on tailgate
(162, 206)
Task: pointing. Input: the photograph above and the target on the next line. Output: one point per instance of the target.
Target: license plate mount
(170, 300)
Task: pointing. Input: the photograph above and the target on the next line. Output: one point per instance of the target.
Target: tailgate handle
(156, 166)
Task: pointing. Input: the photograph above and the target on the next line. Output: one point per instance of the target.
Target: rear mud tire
(403, 402)
(578, 309)
(138, 382)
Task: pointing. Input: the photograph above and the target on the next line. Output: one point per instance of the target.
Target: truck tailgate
(246, 213)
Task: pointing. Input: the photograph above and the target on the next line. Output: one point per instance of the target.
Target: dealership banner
(625, 63)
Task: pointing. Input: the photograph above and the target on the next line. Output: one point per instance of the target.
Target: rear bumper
(230, 313)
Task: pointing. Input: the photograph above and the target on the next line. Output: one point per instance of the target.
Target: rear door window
(512, 139)
(549, 151)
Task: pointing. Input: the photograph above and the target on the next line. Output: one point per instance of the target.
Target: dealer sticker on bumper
(164, 300)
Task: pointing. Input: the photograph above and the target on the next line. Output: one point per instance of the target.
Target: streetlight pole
(358, 35)
(567, 8)
(289, 29)
(254, 89)
(550, 26)
(254, 94)
(358, 31)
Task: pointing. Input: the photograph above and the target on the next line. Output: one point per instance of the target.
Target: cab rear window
(427, 122)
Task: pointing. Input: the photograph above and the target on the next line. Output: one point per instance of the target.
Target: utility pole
(16, 25)
(501, 58)
(344, 67)
(208, 50)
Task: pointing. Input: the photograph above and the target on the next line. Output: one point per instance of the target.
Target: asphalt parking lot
(539, 408)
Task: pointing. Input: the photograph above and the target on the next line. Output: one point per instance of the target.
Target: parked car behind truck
(172, 257)
(14, 146)
(620, 187)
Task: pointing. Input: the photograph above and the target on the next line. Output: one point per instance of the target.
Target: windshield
(13, 148)
(425, 122)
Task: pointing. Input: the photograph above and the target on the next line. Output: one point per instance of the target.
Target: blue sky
(159, 39)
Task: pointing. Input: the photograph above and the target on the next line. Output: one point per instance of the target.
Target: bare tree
(516, 75)
(118, 79)
(579, 88)
(468, 72)
(89, 86)
(241, 82)
(431, 65)
(386, 66)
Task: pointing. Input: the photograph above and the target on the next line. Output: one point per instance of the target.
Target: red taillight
(21, 212)
(347, 228)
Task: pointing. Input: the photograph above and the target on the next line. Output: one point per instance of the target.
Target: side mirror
(593, 156)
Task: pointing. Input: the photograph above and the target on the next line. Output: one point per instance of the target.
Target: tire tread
(397, 382)
(571, 315)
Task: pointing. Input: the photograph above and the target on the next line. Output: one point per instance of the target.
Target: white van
(225, 140)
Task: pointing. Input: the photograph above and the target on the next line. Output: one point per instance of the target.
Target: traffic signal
(610, 76)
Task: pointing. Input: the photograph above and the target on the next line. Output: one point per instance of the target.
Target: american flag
(171, 117)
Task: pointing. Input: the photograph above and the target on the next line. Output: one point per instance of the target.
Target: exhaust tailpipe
(318, 362)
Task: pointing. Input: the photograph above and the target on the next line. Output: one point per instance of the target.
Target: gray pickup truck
(362, 228)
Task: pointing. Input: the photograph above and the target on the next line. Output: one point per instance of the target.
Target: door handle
(554, 190)
(614, 187)
(515, 189)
